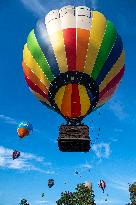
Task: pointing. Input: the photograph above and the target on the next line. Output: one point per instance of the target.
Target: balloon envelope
(102, 184)
(73, 61)
(15, 154)
(50, 183)
(24, 128)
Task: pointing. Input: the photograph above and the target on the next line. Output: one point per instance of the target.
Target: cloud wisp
(102, 150)
(119, 185)
(35, 6)
(111, 201)
(42, 202)
(86, 166)
(26, 162)
(41, 7)
(8, 120)
(118, 109)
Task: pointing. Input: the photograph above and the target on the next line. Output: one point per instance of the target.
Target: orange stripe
(82, 46)
(66, 102)
(34, 78)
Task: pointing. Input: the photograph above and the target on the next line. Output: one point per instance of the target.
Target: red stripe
(75, 101)
(35, 87)
(33, 77)
(112, 83)
(70, 47)
(108, 94)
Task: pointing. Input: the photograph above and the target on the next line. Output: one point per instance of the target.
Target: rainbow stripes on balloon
(74, 43)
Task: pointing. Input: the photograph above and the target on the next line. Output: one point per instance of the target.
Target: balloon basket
(74, 138)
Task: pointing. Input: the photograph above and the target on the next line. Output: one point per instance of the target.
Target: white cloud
(42, 202)
(8, 120)
(109, 201)
(12, 121)
(86, 165)
(26, 162)
(102, 150)
(114, 139)
(45, 202)
(118, 109)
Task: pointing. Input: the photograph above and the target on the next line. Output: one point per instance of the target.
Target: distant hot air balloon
(50, 183)
(24, 202)
(15, 154)
(88, 185)
(102, 185)
(24, 128)
(73, 62)
(43, 194)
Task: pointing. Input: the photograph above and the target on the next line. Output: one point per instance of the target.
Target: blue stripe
(111, 60)
(46, 47)
(90, 95)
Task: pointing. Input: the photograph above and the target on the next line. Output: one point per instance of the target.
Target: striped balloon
(102, 185)
(73, 61)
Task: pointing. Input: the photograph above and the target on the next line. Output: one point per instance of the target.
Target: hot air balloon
(15, 154)
(102, 185)
(88, 185)
(43, 194)
(50, 183)
(24, 128)
(23, 202)
(73, 62)
(76, 172)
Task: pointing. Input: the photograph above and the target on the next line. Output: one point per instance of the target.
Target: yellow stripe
(57, 42)
(40, 97)
(30, 61)
(113, 72)
(84, 100)
(96, 36)
(59, 97)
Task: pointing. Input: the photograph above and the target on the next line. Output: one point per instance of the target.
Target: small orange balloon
(22, 132)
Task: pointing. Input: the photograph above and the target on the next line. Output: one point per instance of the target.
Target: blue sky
(112, 158)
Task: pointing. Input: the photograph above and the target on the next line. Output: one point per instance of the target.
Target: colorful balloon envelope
(24, 128)
(24, 202)
(102, 185)
(15, 154)
(50, 183)
(73, 61)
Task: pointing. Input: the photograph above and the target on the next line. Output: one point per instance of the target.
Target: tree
(132, 190)
(83, 195)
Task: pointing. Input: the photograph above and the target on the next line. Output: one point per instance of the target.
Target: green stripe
(106, 46)
(36, 52)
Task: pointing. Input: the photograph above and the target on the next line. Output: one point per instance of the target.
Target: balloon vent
(74, 138)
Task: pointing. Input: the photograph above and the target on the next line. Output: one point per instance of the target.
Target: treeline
(84, 195)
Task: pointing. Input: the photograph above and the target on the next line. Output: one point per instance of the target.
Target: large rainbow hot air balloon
(73, 62)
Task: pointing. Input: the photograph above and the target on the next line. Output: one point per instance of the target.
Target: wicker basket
(74, 138)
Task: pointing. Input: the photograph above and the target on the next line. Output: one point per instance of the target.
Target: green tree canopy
(83, 195)
(132, 190)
